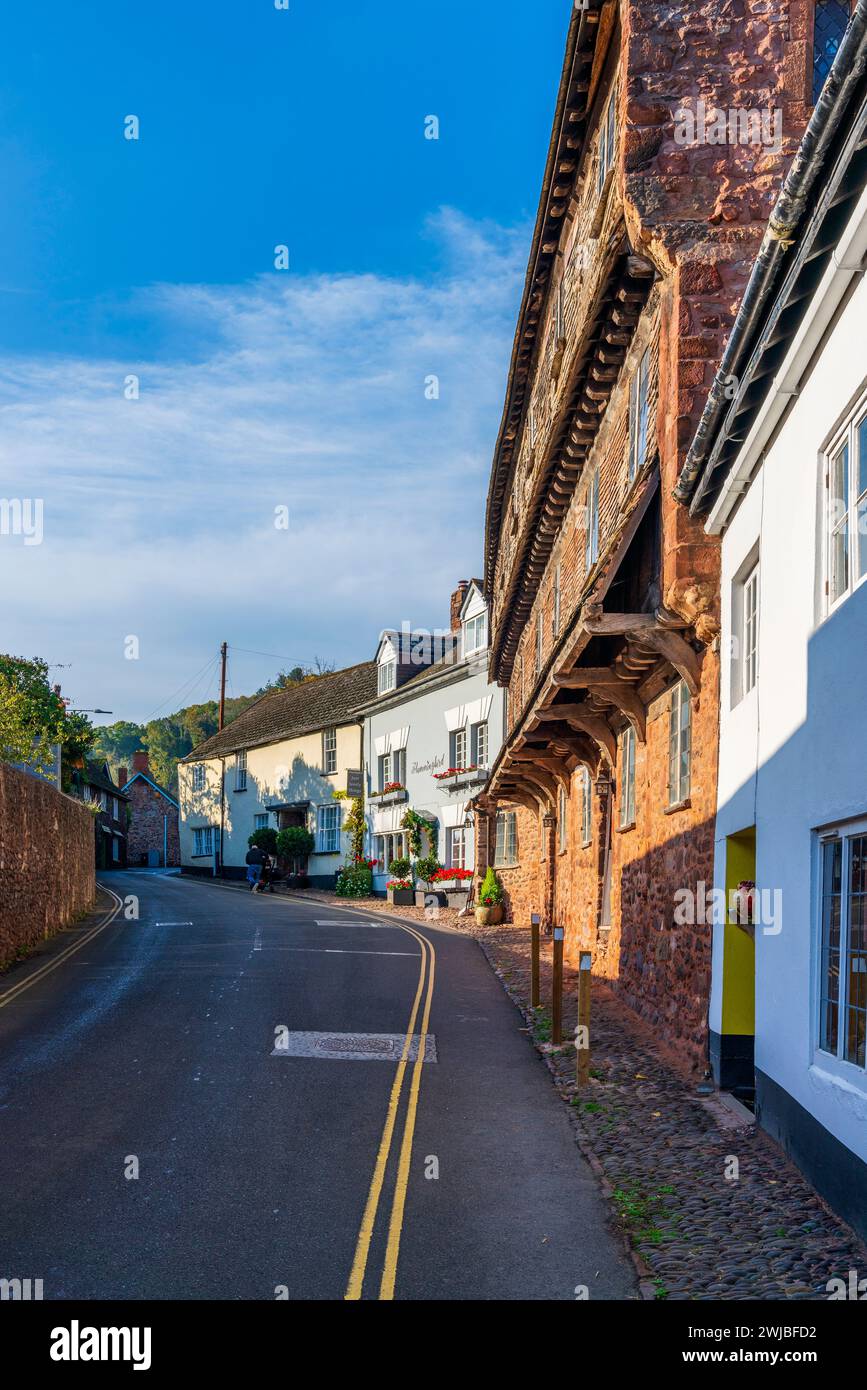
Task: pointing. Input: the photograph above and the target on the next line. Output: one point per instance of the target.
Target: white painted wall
(793, 753)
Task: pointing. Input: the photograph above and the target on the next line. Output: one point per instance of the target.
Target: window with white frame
(260, 821)
(386, 677)
(198, 777)
(390, 847)
(639, 414)
(627, 776)
(749, 597)
(555, 614)
(458, 748)
(591, 508)
(679, 744)
(480, 744)
(457, 847)
(506, 850)
(203, 842)
(475, 634)
(241, 771)
(561, 820)
(329, 751)
(328, 829)
(586, 807)
(385, 777)
(607, 141)
(843, 945)
(846, 510)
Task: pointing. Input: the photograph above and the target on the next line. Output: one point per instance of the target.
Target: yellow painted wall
(739, 951)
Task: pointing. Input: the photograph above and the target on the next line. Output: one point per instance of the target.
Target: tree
(33, 718)
(116, 743)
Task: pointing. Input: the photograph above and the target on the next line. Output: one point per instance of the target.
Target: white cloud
(307, 392)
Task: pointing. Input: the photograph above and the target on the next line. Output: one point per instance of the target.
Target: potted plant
(399, 889)
(489, 910)
(426, 870)
(294, 843)
(456, 885)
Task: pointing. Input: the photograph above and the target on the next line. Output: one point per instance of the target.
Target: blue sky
(258, 388)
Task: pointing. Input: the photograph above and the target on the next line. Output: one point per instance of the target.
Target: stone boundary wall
(47, 873)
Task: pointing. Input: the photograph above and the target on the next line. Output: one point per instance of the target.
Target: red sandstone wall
(47, 874)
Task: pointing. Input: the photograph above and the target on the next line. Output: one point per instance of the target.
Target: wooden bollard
(557, 989)
(582, 1032)
(534, 960)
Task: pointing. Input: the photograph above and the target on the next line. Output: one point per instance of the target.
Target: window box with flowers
(392, 793)
(450, 887)
(455, 777)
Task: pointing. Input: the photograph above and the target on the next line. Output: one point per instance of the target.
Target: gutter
(846, 266)
(781, 233)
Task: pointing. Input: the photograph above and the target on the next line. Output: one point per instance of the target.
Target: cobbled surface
(664, 1155)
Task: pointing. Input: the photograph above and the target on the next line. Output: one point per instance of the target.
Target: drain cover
(355, 1047)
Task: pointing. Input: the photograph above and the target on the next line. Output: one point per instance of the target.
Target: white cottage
(431, 735)
(779, 469)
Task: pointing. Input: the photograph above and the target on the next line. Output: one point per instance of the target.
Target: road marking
(8, 995)
(173, 924)
(356, 1047)
(395, 1225)
(355, 1286)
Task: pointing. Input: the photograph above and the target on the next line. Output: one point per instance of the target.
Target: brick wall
(146, 827)
(47, 874)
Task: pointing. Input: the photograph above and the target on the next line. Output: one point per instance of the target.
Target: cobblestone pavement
(663, 1153)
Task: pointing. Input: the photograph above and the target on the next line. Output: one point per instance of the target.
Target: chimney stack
(140, 762)
(121, 777)
(458, 597)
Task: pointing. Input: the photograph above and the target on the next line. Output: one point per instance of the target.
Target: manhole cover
(354, 1047)
(350, 1044)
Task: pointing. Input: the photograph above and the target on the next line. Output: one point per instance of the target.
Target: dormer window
(387, 677)
(475, 634)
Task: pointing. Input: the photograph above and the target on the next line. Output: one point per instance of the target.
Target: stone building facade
(674, 125)
(153, 837)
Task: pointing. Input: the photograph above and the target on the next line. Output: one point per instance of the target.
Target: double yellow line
(355, 1286)
(13, 992)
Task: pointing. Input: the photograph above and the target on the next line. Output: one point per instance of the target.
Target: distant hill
(171, 738)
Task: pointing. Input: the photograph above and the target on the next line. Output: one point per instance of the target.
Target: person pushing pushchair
(256, 862)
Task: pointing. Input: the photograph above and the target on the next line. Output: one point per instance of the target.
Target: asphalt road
(158, 1046)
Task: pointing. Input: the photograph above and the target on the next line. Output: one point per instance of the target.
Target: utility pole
(223, 652)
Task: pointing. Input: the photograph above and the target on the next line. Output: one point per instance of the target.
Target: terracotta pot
(489, 916)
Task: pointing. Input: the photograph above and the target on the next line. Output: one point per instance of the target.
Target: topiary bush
(294, 842)
(265, 839)
(491, 892)
(427, 867)
(400, 868)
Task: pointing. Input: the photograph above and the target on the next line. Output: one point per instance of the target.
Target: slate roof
(93, 773)
(300, 709)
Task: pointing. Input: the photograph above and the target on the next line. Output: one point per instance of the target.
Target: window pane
(829, 26)
(839, 576)
(832, 864)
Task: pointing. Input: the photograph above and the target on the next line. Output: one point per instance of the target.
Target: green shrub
(355, 881)
(265, 839)
(400, 868)
(426, 868)
(294, 842)
(491, 892)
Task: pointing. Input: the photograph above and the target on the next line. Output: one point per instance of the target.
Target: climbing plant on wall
(417, 825)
